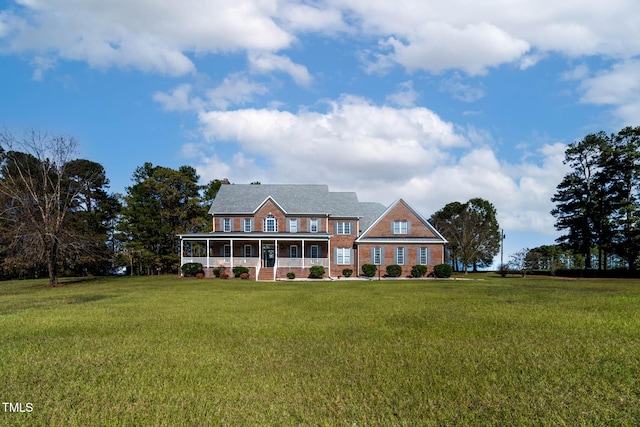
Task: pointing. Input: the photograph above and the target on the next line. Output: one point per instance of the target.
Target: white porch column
(181, 251)
(302, 253)
(329, 255)
(208, 253)
(275, 269)
(231, 253)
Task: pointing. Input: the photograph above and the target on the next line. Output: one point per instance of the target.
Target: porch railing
(254, 262)
(302, 263)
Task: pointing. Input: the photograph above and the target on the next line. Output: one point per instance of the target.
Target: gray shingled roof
(295, 199)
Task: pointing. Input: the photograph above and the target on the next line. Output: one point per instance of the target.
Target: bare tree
(37, 196)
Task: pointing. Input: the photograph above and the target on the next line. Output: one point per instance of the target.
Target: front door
(268, 255)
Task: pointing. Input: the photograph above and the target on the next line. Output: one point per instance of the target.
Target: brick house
(276, 229)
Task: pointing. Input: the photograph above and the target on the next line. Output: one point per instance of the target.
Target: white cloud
(461, 91)
(164, 37)
(439, 46)
(405, 96)
(384, 153)
(618, 87)
(148, 35)
(267, 62)
(234, 90)
(179, 99)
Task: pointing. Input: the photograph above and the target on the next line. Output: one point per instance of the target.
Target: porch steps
(266, 273)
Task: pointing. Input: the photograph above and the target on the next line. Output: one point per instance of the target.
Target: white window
(343, 227)
(247, 225)
(270, 223)
(343, 256)
(314, 251)
(293, 251)
(226, 224)
(293, 225)
(400, 256)
(423, 256)
(313, 225)
(400, 227)
(377, 256)
(248, 252)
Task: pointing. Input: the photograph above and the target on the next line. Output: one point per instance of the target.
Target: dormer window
(270, 224)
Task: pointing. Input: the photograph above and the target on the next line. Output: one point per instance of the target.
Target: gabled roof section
(438, 237)
(369, 212)
(292, 199)
(269, 198)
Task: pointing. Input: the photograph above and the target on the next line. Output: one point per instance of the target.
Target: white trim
(265, 201)
(438, 237)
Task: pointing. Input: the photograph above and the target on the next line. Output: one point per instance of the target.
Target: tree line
(58, 216)
(598, 201)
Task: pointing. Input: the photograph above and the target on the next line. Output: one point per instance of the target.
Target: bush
(244, 276)
(316, 272)
(190, 269)
(239, 270)
(347, 272)
(224, 275)
(216, 272)
(394, 270)
(291, 275)
(369, 270)
(418, 270)
(443, 271)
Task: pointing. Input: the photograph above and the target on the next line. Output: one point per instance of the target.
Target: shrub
(418, 270)
(316, 272)
(394, 270)
(291, 275)
(190, 269)
(224, 275)
(347, 272)
(443, 271)
(200, 275)
(244, 276)
(216, 272)
(239, 270)
(369, 270)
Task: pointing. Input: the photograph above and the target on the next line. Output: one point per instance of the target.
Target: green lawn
(177, 352)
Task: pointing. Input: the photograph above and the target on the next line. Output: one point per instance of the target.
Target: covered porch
(266, 257)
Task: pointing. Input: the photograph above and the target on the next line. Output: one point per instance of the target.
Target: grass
(162, 351)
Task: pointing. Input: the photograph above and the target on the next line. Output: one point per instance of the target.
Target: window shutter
(351, 260)
(288, 225)
(408, 227)
(392, 222)
(373, 256)
(252, 224)
(429, 256)
(382, 255)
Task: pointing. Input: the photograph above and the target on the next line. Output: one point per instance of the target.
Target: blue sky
(432, 101)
